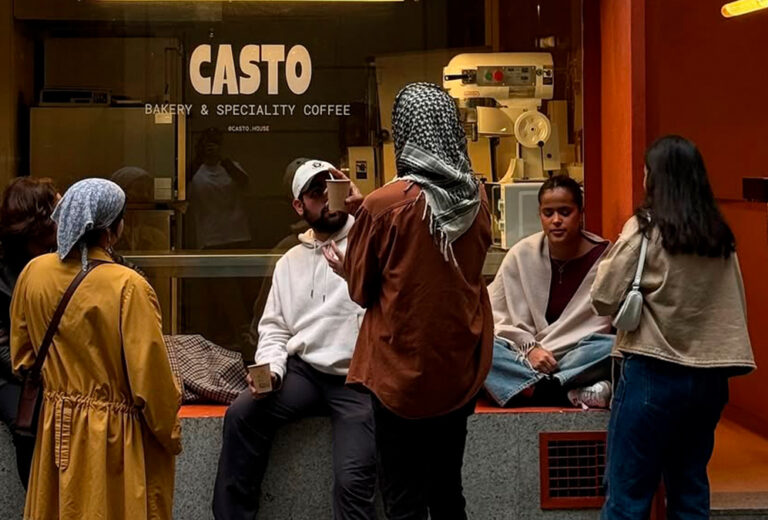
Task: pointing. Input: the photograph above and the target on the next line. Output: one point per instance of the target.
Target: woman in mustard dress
(108, 431)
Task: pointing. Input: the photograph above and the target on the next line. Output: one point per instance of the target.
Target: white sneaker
(594, 396)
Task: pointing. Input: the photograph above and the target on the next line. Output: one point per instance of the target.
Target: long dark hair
(680, 202)
(25, 216)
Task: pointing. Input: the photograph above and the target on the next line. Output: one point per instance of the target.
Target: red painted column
(622, 110)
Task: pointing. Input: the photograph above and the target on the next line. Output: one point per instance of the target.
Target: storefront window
(200, 109)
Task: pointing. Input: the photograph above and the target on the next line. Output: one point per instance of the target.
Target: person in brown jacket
(414, 261)
(692, 336)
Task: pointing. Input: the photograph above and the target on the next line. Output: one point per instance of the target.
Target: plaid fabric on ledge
(207, 371)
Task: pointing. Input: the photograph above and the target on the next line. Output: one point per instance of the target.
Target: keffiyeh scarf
(431, 151)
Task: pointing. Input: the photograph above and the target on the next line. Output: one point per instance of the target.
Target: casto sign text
(242, 75)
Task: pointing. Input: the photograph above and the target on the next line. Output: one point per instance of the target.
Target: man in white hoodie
(307, 334)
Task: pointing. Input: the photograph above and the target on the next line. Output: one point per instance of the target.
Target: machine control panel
(506, 76)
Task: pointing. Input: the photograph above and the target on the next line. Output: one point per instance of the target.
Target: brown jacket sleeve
(362, 262)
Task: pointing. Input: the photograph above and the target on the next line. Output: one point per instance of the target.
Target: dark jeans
(25, 446)
(420, 464)
(662, 425)
(250, 425)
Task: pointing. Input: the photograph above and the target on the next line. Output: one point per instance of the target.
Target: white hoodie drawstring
(314, 266)
(325, 281)
(325, 275)
(306, 238)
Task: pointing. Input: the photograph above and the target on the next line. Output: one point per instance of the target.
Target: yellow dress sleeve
(22, 352)
(153, 385)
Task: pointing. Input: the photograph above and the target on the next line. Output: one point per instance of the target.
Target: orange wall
(680, 67)
(706, 78)
(749, 221)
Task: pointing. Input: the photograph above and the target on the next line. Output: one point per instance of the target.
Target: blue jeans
(510, 374)
(662, 424)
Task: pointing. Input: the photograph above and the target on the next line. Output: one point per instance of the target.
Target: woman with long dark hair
(691, 338)
(26, 231)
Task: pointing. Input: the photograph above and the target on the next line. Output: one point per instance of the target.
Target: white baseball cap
(306, 172)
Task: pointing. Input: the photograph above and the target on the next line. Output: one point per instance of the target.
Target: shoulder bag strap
(640, 264)
(54, 325)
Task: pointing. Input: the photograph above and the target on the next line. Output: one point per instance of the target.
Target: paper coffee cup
(262, 377)
(338, 191)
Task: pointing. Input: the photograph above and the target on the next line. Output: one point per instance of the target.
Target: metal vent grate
(572, 467)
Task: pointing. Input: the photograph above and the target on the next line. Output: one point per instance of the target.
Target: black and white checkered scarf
(431, 151)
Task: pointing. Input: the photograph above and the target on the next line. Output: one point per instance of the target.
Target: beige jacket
(694, 312)
(520, 294)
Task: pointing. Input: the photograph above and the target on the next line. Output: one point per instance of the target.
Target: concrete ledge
(12, 497)
(501, 469)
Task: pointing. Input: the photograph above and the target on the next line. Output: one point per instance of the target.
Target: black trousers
(250, 425)
(420, 464)
(25, 446)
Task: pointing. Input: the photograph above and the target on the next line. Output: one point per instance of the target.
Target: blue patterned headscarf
(87, 204)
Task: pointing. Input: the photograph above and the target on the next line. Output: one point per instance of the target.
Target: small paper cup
(338, 191)
(262, 377)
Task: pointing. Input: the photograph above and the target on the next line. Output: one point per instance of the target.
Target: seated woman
(548, 338)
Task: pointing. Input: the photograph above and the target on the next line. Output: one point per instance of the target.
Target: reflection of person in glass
(141, 234)
(137, 183)
(215, 201)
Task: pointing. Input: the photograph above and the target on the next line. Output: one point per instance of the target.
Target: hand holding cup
(352, 196)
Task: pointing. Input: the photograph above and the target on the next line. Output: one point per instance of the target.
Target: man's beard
(327, 223)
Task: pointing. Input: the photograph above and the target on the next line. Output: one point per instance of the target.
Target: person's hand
(355, 198)
(542, 360)
(335, 258)
(255, 392)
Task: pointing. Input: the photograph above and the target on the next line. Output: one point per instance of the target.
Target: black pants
(420, 464)
(250, 425)
(25, 446)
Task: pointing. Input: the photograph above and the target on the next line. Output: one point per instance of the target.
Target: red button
(498, 75)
